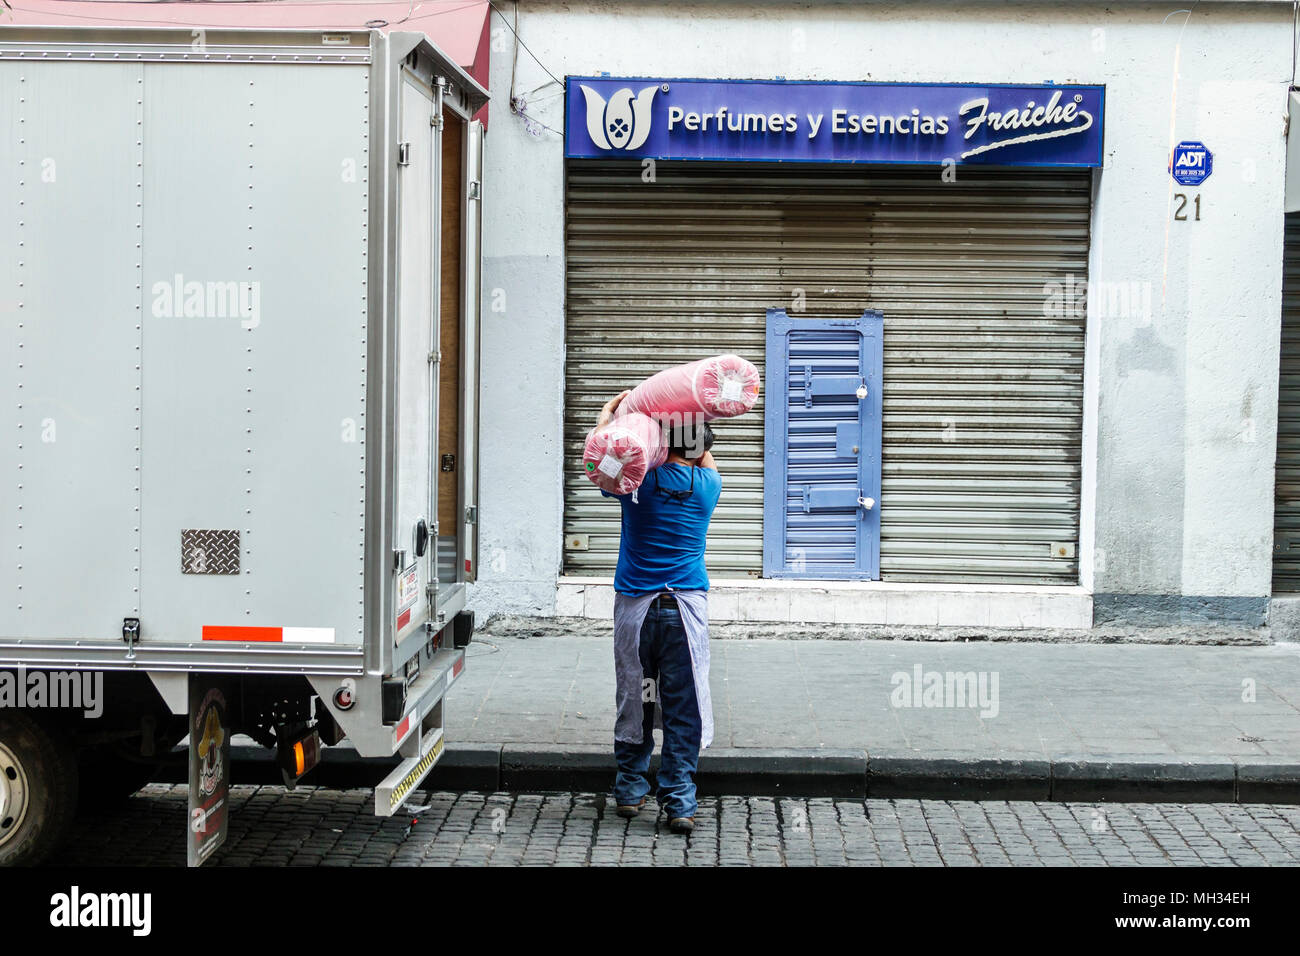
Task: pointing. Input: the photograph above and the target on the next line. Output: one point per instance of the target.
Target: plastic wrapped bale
(620, 454)
(719, 387)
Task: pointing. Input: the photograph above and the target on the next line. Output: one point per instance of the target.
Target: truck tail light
(298, 755)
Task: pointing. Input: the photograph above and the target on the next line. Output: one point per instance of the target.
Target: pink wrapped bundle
(619, 455)
(717, 387)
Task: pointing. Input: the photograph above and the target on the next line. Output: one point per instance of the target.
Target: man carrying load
(661, 630)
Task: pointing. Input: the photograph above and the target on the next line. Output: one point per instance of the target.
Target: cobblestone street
(271, 826)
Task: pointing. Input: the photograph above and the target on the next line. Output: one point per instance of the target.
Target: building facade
(1017, 373)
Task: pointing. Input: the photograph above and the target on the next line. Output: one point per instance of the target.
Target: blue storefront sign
(1191, 163)
(792, 121)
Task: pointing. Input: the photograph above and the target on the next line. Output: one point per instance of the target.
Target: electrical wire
(521, 42)
(1295, 36)
(514, 60)
(519, 104)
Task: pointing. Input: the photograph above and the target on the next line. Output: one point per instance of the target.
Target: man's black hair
(690, 440)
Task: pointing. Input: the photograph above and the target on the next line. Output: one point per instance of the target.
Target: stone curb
(1140, 778)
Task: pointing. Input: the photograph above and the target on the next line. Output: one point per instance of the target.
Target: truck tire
(38, 789)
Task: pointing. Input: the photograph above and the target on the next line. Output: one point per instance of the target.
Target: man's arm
(706, 461)
(607, 410)
(606, 413)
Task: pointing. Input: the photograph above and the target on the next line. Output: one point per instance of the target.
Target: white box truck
(240, 298)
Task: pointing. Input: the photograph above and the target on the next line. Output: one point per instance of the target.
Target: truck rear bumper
(401, 783)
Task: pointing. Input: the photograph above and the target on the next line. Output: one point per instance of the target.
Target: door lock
(867, 503)
(131, 635)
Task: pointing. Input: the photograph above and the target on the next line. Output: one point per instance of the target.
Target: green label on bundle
(591, 466)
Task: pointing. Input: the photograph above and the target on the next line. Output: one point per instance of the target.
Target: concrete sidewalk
(1055, 720)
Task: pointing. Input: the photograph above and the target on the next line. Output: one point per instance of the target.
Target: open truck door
(471, 283)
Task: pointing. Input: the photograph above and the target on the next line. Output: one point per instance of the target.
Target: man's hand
(705, 461)
(607, 410)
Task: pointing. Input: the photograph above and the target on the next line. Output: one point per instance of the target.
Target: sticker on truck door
(408, 592)
(408, 588)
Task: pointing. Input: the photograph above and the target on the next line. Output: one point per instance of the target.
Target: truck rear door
(415, 511)
(472, 253)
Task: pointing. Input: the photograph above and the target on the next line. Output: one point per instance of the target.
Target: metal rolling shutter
(1286, 513)
(982, 389)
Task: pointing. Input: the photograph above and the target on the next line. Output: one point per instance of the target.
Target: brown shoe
(682, 824)
(628, 811)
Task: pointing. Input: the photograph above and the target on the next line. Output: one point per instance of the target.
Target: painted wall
(1182, 399)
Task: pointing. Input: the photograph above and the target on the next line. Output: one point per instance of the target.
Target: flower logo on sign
(621, 123)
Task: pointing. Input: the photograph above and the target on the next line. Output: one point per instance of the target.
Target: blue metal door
(821, 468)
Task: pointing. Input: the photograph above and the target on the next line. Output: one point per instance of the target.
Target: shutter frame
(1286, 495)
(960, 271)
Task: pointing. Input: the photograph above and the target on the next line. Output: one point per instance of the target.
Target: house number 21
(1181, 212)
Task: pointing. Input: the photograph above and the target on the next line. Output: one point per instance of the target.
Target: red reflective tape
(467, 565)
(404, 619)
(272, 635)
(402, 729)
(459, 666)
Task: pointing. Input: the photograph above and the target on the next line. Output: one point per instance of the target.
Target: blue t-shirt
(662, 547)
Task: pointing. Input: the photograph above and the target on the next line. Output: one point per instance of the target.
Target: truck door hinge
(403, 154)
(474, 188)
(130, 635)
(436, 121)
(399, 559)
(435, 357)
(471, 515)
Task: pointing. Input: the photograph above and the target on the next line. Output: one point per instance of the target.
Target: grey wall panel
(982, 384)
(71, 322)
(309, 351)
(10, 276)
(246, 413)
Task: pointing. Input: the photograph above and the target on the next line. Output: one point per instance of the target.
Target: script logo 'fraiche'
(1031, 117)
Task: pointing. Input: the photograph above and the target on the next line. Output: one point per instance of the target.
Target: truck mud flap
(402, 782)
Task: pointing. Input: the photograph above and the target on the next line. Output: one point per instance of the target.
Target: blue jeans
(666, 660)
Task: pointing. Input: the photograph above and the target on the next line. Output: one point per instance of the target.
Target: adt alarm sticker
(1192, 163)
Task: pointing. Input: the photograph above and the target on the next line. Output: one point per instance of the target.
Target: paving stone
(272, 827)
